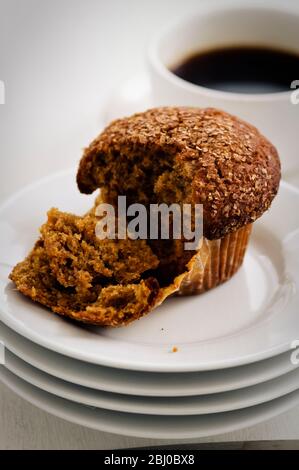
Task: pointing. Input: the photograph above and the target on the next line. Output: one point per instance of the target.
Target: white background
(59, 61)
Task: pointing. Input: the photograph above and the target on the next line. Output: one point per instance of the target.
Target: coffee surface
(241, 69)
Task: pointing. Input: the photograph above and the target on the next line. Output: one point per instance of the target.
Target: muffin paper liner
(215, 262)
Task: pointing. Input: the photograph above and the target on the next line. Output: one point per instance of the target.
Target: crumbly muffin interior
(107, 282)
(150, 176)
(79, 259)
(74, 273)
(146, 178)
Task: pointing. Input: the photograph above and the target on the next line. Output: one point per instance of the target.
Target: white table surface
(59, 61)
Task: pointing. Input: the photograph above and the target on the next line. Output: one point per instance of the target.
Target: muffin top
(186, 155)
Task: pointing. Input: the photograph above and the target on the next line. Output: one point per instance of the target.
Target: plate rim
(242, 398)
(86, 416)
(250, 378)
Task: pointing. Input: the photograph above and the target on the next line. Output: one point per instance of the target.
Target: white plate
(140, 425)
(145, 383)
(193, 405)
(252, 317)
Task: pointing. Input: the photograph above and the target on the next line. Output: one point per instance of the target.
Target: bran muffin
(164, 155)
(188, 155)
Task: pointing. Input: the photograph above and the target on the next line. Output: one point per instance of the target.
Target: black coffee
(241, 69)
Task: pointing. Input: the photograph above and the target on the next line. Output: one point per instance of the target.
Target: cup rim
(167, 74)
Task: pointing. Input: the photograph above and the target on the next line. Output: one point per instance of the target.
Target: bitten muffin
(106, 282)
(165, 155)
(188, 155)
(71, 271)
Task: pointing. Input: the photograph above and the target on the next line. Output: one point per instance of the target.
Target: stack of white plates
(196, 366)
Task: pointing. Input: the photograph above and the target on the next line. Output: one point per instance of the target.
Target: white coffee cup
(229, 24)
